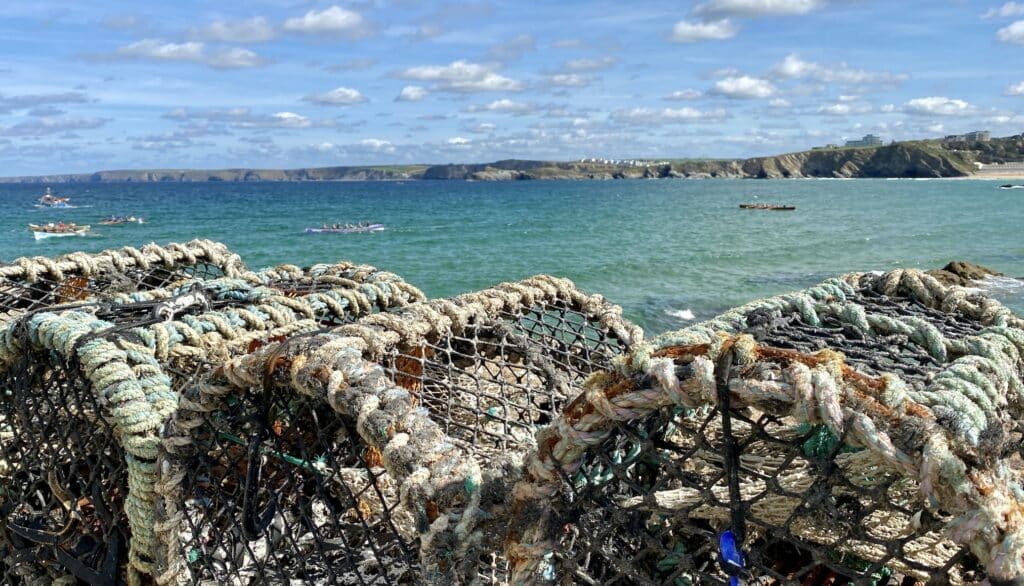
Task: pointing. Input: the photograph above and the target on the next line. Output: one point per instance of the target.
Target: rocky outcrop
(962, 273)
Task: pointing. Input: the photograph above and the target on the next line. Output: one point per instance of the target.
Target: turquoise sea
(668, 251)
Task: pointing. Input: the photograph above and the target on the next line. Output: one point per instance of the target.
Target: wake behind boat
(58, 230)
(49, 200)
(346, 228)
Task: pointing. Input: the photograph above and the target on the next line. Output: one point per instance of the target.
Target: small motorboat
(49, 200)
(1010, 186)
(346, 229)
(115, 220)
(58, 230)
(767, 206)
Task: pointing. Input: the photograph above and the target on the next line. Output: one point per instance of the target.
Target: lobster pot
(268, 481)
(651, 502)
(80, 386)
(40, 283)
(63, 479)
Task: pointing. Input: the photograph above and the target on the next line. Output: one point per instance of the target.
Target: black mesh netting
(649, 504)
(63, 479)
(18, 296)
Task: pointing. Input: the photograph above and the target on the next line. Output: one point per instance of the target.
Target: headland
(997, 158)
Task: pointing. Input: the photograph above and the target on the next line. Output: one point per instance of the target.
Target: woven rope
(964, 402)
(30, 269)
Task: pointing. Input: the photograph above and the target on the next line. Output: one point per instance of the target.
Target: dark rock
(969, 271)
(947, 278)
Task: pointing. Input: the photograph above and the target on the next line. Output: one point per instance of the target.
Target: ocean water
(670, 252)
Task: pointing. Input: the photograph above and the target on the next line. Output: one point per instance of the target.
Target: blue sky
(101, 84)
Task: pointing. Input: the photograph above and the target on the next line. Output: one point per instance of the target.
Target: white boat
(1008, 186)
(347, 229)
(57, 230)
(49, 200)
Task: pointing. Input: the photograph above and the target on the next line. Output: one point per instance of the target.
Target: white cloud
(754, 8)
(936, 128)
(234, 58)
(334, 21)
(24, 102)
(342, 96)
(157, 49)
(589, 65)
(458, 141)
(651, 116)
(793, 67)
(1007, 10)
(1016, 89)
(938, 106)
(779, 103)
(835, 110)
(411, 93)
(888, 108)
(191, 52)
(290, 120)
(462, 76)
(744, 87)
(1013, 34)
(51, 125)
(687, 94)
(484, 128)
(692, 32)
(242, 118)
(844, 108)
(505, 106)
(253, 30)
(376, 145)
(570, 80)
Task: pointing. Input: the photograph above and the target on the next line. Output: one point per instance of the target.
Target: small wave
(684, 314)
(997, 283)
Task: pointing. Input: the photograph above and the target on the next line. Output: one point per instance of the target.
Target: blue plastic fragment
(732, 557)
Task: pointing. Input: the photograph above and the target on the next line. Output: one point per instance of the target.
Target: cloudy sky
(103, 84)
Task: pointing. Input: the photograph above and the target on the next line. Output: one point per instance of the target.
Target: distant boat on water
(1009, 186)
(115, 220)
(767, 206)
(58, 230)
(346, 229)
(49, 200)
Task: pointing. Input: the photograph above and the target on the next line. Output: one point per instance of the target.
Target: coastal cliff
(913, 159)
(908, 160)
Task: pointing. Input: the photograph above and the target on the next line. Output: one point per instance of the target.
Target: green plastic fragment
(822, 442)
